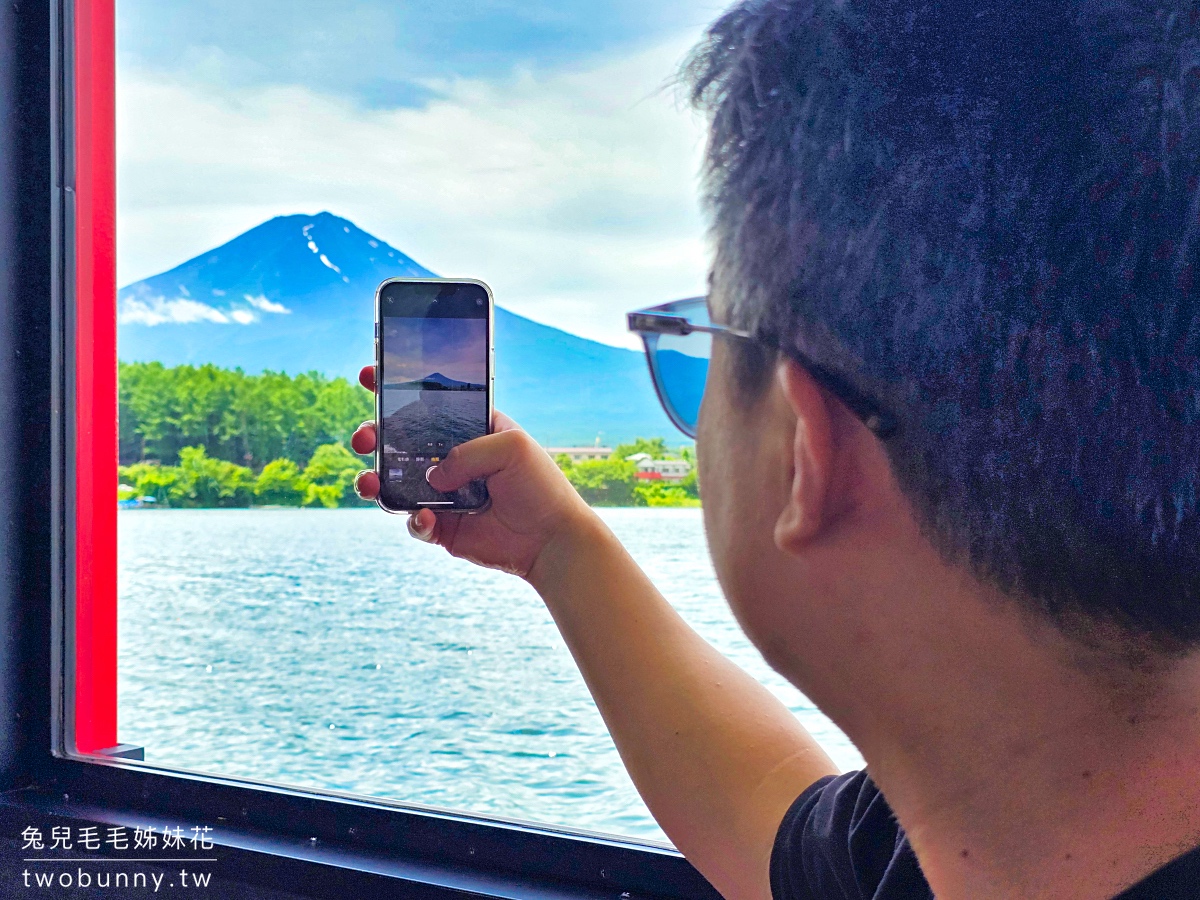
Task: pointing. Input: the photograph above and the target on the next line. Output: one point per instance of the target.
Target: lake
(328, 649)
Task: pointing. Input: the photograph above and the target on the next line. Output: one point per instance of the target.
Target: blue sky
(537, 145)
(379, 51)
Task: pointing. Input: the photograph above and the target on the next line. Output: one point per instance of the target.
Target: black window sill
(293, 843)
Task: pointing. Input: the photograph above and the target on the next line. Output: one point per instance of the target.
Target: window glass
(276, 161)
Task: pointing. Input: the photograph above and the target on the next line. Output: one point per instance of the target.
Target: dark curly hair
(985, 214)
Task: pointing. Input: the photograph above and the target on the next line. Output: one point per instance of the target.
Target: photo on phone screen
(434, 387)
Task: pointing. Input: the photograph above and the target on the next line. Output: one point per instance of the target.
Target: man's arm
(717, 758)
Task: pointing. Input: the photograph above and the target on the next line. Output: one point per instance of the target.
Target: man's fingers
(366, 377)
(435, 528)
(501, 422)
(467, 462)
(366, 485)
(422, 524)
(363, 439)
(480, 458)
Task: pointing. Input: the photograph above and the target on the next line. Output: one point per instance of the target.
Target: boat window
(275, 161)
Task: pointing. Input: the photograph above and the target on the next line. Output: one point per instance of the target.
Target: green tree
(690, 485)
(656, 448)
(656, 493)
(329, 496)
(196, 436)
(281, 484)
(151, 480)
(207, 482)
(244, 419)
(614, 481)
(603, 482)
(144, 400)
(331, 471)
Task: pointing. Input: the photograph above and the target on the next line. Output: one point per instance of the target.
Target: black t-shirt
(840, 841)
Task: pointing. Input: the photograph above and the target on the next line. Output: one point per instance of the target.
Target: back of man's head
(986, 215)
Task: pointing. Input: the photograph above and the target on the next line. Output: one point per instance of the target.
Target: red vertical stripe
(96, 378)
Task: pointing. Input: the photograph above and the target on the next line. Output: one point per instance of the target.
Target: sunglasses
(678, 340)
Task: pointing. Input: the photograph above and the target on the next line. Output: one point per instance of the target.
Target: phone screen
(434, 387)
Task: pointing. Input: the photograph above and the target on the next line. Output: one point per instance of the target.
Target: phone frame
(490, 382)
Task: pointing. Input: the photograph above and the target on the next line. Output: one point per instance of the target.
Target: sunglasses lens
(681, 363)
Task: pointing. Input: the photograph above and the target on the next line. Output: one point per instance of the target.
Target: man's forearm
(714, 754)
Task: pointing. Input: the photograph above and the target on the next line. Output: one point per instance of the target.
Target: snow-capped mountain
(296, 294)
(438, 381)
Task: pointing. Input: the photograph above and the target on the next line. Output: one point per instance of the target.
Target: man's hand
(532, 501)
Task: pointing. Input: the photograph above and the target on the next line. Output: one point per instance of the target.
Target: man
(948, 458)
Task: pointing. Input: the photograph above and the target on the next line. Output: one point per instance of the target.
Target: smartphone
(434, 380)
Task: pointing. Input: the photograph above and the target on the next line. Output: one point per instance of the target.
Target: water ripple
(326, 648)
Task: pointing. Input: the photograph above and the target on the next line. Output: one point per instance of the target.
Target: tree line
(203, 436)
(614, 481)
(250, 420)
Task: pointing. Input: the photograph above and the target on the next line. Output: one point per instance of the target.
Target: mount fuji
(296, 294)
(437, 382)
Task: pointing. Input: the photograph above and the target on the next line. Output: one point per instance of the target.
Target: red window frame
(94, 480)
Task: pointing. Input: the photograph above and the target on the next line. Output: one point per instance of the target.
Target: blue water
(326, 648)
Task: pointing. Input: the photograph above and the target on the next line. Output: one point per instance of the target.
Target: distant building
(660, 469)
(580, 454)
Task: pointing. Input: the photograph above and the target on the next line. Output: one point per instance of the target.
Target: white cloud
(573, 194)
(261, 302)
(183, 310)
(160, 311)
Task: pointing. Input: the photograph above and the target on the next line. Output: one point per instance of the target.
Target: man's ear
(806, 511)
